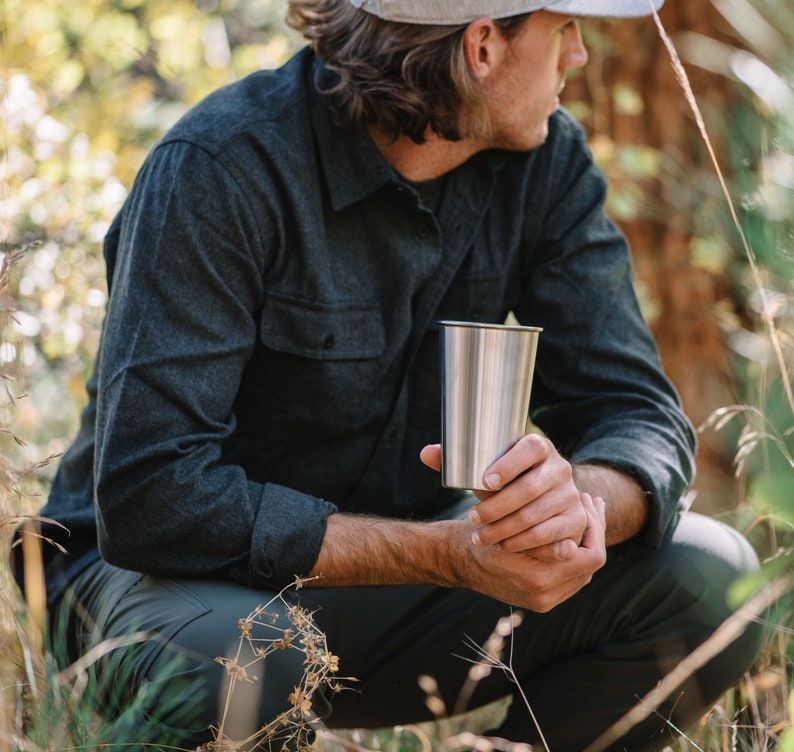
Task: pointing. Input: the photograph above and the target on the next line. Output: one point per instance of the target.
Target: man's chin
(530, 143)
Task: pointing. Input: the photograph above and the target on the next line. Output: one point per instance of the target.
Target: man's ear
(483, 45)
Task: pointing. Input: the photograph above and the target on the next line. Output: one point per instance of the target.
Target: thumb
(431, 456)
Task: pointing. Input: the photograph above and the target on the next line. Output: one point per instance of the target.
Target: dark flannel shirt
(270, 350)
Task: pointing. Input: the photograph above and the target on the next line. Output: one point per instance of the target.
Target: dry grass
(753, 717)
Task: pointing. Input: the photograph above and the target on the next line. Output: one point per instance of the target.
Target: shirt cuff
(287, 534)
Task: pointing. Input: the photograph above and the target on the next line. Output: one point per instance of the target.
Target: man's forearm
(627, 505)
(361, 550)
(367, 551)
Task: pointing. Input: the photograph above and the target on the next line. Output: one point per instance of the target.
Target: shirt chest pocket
(321, 363)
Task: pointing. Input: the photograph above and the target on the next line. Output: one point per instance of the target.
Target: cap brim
(605, 8)
(453, 12)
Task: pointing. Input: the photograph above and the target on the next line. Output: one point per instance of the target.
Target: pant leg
(647, 611)
(582, 665)
(183, 627)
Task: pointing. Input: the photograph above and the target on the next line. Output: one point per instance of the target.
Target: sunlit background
(87, 87)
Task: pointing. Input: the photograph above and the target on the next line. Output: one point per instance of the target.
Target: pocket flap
(345, 331)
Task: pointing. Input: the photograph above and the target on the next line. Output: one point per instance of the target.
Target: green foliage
(87, 88)
(759, 144)
(66, 702)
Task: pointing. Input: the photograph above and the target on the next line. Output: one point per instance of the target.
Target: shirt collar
(351, 163)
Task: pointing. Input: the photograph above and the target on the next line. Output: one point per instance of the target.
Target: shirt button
(423, 231)
(329, 342)
(477, 313)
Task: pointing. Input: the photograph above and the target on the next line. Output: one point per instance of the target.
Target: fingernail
(474, 517)
(475, 539)
(493, 481)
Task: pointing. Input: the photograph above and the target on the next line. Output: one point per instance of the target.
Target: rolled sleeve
(287, 534)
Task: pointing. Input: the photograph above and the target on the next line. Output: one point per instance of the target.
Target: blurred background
(87, 87)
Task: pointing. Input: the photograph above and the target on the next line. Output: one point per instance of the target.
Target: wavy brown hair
(401, 77)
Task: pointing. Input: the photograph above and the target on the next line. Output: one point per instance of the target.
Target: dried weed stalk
(22, 627)
(728, 631)
(496, 653)
(260, 631)
(768, 310)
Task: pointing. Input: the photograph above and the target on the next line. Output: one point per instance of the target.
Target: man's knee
(164, 673)
(708, 558)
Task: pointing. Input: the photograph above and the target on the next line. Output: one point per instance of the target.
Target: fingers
(525, 453)
(567, 549)
(595, 532)
(522, 579)
(529, 470)
(540, 524)
(537, 505)
(431, 456)
(563, 550)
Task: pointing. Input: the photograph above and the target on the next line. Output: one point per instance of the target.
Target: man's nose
(575, 53)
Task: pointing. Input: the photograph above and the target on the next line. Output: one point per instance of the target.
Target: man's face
(524, 89)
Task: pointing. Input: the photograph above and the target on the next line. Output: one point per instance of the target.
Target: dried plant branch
(261, 632)
(490, 657)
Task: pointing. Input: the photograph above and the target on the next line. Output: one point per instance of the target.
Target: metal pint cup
(486, 379)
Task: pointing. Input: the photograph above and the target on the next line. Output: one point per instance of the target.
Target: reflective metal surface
(486, 380)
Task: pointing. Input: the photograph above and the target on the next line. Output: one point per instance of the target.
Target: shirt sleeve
(185, 266)
(599, 392)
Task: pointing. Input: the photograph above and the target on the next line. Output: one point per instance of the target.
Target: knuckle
(545, 604)
(535, 443)
(530, 486)
(564, 470)
(511, 546)
(602, 559)
(526, 517)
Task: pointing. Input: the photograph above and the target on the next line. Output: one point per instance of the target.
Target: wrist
(451, 544)
(627, 503)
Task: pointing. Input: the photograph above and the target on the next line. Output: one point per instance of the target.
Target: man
(268, 380)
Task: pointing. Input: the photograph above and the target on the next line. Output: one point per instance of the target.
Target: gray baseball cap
(454, 12)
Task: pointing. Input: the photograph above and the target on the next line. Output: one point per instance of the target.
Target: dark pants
(581, 666)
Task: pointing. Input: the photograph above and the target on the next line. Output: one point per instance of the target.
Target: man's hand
(359, 550)
(534, 506)
(523, 580)
(535, 540)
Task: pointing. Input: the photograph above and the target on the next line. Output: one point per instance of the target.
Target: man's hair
(401, 77)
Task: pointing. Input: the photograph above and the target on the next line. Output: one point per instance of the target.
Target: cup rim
(480, 325)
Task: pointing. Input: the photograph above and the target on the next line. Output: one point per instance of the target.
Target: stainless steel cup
(486, 379)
